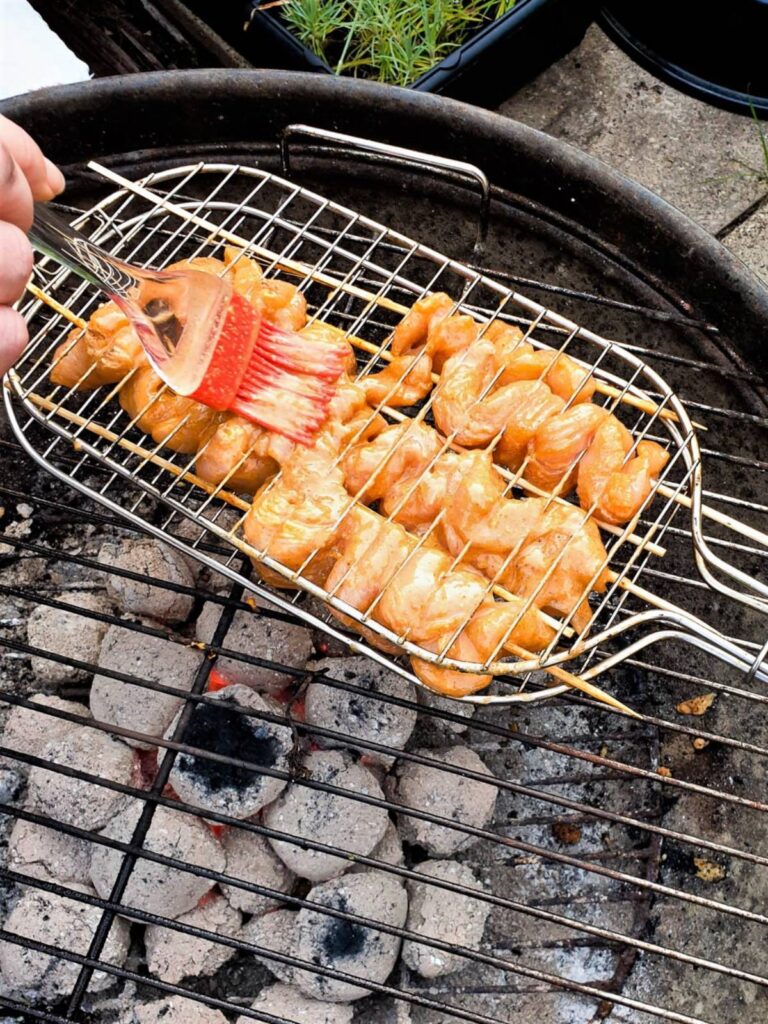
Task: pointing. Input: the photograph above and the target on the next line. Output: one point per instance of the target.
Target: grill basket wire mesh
(317, 243)
(601, 911)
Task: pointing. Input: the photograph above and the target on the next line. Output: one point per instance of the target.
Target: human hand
(25, 175)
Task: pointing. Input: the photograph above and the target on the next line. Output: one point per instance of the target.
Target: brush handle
(53, 236)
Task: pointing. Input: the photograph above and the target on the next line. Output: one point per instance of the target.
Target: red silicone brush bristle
(289, 383)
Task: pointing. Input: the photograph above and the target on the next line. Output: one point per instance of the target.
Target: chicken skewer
(497, 384)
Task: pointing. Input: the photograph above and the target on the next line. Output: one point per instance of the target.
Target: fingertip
(13, 337)
(54, 178)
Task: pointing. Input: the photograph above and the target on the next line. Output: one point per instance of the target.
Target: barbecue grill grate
(356, 274)
(617, 926)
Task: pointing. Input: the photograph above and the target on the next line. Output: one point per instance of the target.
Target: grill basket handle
(398, 154)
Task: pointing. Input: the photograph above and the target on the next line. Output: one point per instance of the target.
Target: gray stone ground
(690, 153)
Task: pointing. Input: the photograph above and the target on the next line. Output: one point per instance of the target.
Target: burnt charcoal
(330, 818)
(151, 658)
(250, 858)
(77, 801)
(67, 634)
(275, 932)
(173, 955)
(450, 917)
(449, 795)
(292, 1005)
(47, 853)
(173, 1010)
(388, 851)
(28, 730)
(158, 888)
(150, 560)
(357, 715)
(261, 637)
(62, 922)
(366, 953)
(222, 728)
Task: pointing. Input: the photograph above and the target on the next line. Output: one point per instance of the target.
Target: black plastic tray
(720, 56)
(486, 69)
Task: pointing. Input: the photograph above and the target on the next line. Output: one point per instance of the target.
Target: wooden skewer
(575, 682)
(297, 267)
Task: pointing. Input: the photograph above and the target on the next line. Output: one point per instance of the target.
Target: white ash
(67, 634)
(87, 805)
(62, 922)
(222, 728)
(366, 953)
(173, 955)
(328, 818)
(28, 731)
(438, 913)
(250, 858)
(356, 715)
(389, 850)
(444, 794)
(276, 932)
(173, 1010)
(157, 561)
(257, 636)
(47, 853)
(152, 886)
(290, 1004)
(154, 659)
(431, 699)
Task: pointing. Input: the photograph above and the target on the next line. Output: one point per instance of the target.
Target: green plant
(392, 41)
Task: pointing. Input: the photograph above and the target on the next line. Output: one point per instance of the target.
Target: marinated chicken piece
(427, 598)
(449, 336)
(404, 381)
(556, 448)
(176, 422)
(240, 455)
(466, 404)
(416, 502)
(533, 547)
(370, 554)
(109, 348)
(534, 405)
(279, 301)
(617, 485)
(495, 629)
(400, 452)
(452, 682)
(299, 512)
(413, 329)
(521, 361)
(104, 353)
(415, 592)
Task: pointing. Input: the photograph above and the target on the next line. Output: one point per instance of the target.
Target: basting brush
(205, 341)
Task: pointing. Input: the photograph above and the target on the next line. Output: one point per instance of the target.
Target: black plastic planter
(720, 56)
(487, 68)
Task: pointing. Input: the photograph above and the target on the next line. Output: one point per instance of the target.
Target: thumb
(44, 178)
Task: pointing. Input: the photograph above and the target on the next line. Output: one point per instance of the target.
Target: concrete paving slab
(683, 149)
